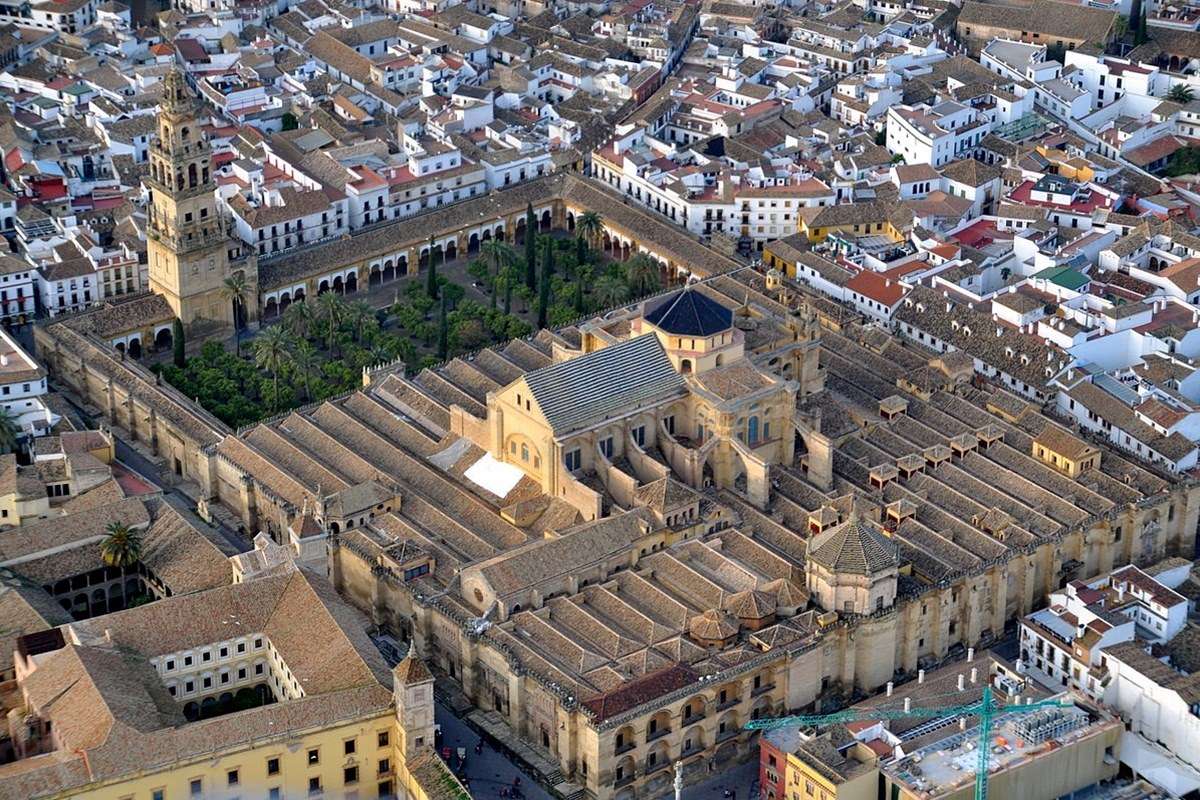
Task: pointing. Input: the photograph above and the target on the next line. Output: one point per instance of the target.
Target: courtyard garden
(318, 348)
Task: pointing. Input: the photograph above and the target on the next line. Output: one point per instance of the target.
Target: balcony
(766, 687)
(727, 734)
(730, 703)
(658, 734)
(652, 768)
(624, 781)
(623, 748)
(694, 718)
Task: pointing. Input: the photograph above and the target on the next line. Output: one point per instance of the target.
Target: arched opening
(99, 604)
(375, 278)
(693, 740)
(323, 287)
(487, 236)
(607, 242)
(450, 251)
(707, 476)
(520, 235)
(624, 771)
(389, 272)
(500, 233)
(352, 282)
(193, 177)
(658, 757)
(334, 528)
(191, 711)
(423, 261)
(658, 726)
(571, 221)
(298, 296)
(720, 359)
(271, 309)
(135, 347)
(401, 265)
(285, 300)
(473, 243)
(338, 285)
(625, 740)
(121, 348)
(685, 366)
(545, 222)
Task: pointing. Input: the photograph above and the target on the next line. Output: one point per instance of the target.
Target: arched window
(524, 452)
(752, 430)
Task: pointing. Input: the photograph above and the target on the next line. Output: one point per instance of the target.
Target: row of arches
(229, 702)
(131, 346)
(103, 600)
(276, 306)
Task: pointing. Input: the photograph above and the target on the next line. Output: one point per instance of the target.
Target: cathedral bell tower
(189, 245)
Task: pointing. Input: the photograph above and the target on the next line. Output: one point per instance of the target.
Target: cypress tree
(431, 280)
(530, 247)
(579, 294)
(508, 290)
(544, 286)
(443, 332)
(178, 343)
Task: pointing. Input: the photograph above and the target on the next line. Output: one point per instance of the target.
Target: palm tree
(1181, 93)
(271, 349)
(298, 319)
(642, 273)
(305, 361)
(332, 309)
(588, 226)
(234, 289)
(610, 291)
(10, 431)
(498, 255)
(359, 313)
(121, 546)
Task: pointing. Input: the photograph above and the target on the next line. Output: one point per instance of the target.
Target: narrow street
(488, 772)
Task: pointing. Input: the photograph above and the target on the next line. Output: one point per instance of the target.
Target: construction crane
(986, 708)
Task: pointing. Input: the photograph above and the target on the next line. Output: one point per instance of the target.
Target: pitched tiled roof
(690, 313)
(411, 670)
(643, 690)
(573, 393)
(855, 547)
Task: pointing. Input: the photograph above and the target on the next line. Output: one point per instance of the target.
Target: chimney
(920, 676)
(961, 682)
(962, 723)
(974, 675)
(889, 688)
(907, 704)
(1020, 667)
(970, 654)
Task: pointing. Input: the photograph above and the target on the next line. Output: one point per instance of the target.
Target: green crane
(986, 708)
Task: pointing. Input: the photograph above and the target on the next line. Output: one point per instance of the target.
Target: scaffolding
(1050, 724)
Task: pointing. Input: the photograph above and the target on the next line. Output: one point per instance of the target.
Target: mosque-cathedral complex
(628, 537)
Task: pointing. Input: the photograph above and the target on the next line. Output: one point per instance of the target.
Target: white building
(1160, 700)
(1063, 643)
(22, 388)
(18, 290)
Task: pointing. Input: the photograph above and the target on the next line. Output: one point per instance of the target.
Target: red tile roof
(642, 690)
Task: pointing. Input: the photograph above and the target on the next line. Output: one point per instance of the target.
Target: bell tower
(412, 690)
(189, 246)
